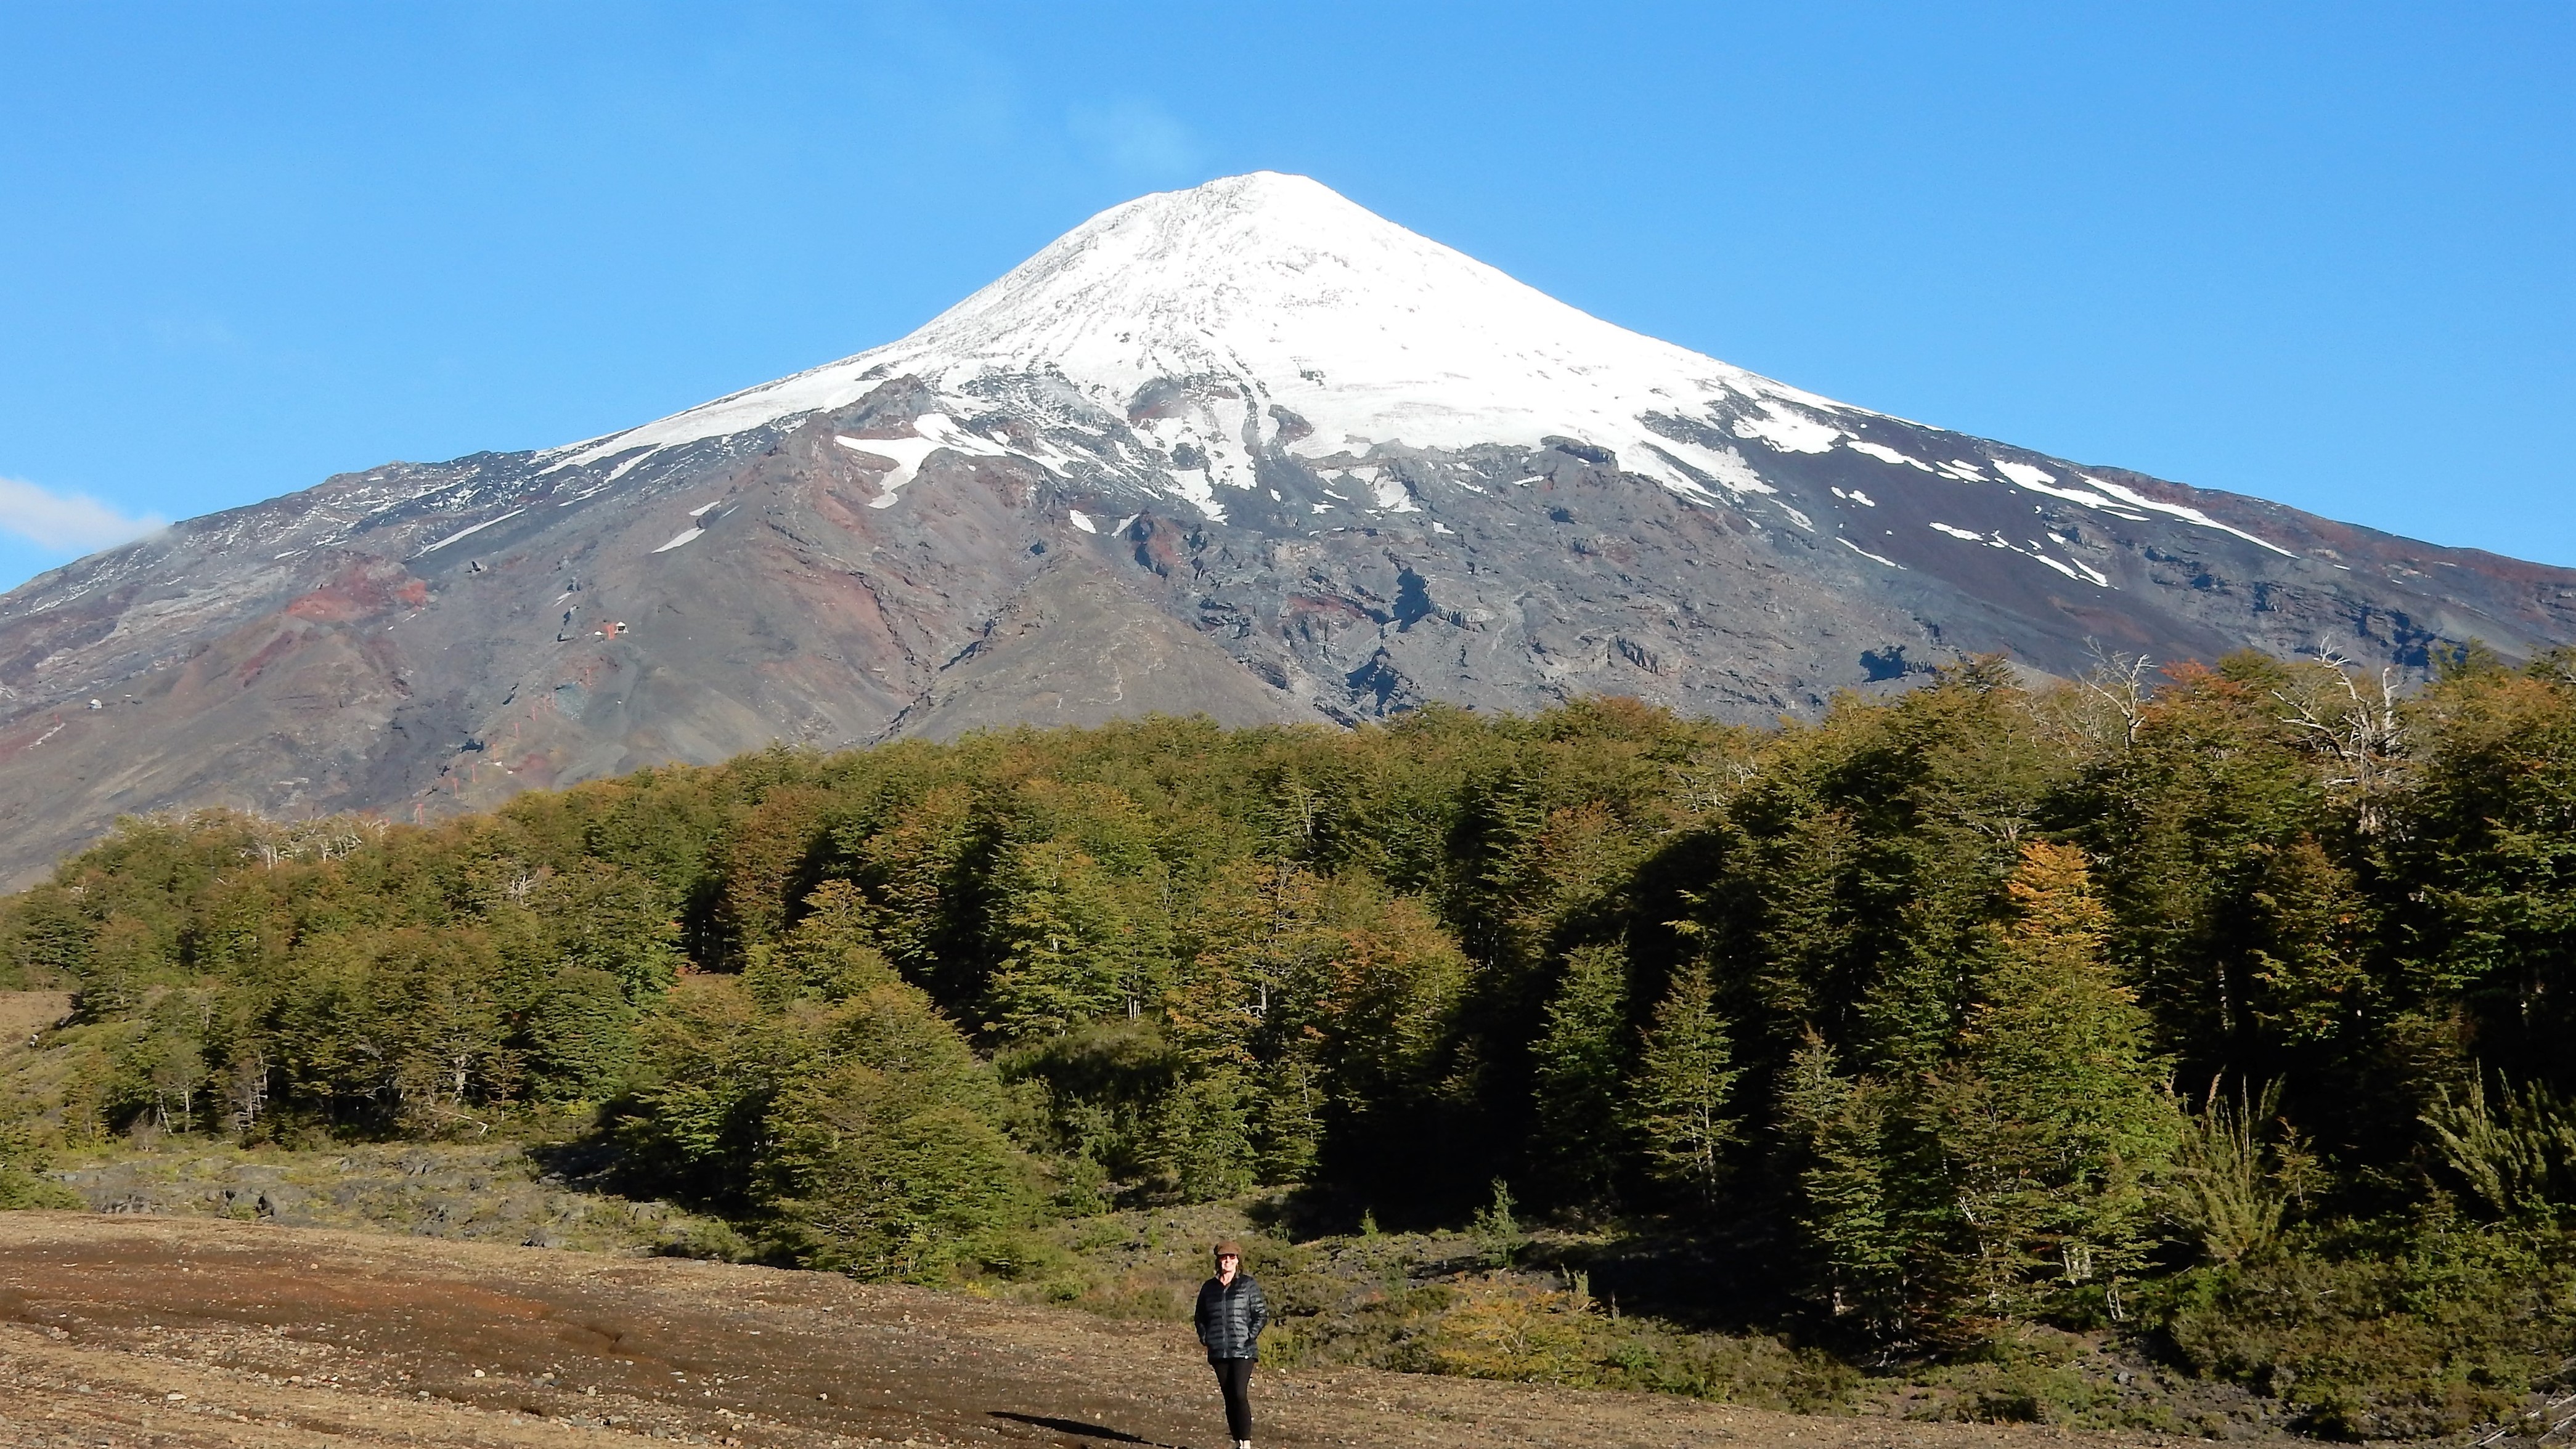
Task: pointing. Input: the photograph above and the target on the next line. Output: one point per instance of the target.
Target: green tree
(1242, 1014)
(603, 917)
(1851, 1217)
(711, 1062)
(162, 1077)
(1062, 936)
(919, 877)
(581, 1034)
(1580, 1063)
(1678, 1107)
(829, 956)
(2052, 1113)
(2482, 854)
(891, 1163)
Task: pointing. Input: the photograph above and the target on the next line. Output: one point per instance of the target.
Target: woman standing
(1231, 1315)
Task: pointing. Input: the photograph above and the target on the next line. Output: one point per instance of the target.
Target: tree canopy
(1978, 1001)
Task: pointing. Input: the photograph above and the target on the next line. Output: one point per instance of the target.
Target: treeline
(1976, 1003)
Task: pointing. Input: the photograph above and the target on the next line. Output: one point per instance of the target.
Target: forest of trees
(2185, 999)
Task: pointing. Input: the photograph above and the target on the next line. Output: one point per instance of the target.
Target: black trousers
(1234, 1377)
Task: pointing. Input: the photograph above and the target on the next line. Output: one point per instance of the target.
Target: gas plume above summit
(1246, 449)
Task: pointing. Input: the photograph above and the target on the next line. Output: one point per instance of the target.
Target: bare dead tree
(1707, 784)
(333, 837)
(2351, 719)
(2119, 681)
(248, 1089)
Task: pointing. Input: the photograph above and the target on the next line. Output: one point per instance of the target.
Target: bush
(892, 1164)
(877, 1181)
(1517, 1332)
(2430, 1335)
(21, 1190)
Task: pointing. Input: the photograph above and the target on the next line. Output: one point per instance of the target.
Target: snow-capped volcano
(1310, 304)
(1291, 318)
(1245, 449)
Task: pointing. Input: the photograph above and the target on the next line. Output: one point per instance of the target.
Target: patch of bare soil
(181, 1332)
(25, 1013)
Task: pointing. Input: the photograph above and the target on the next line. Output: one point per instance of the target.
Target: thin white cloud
(1137, 137)
(70, 522)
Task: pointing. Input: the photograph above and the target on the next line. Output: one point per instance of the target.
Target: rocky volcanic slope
(1247, 449)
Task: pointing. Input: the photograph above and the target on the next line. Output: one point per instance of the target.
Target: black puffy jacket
(1231, 1317)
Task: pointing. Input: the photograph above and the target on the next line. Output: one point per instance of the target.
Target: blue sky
(2320, 253)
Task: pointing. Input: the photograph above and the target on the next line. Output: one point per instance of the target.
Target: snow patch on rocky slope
(1298, 300)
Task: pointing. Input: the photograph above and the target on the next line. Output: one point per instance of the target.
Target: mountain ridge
(1296, 461)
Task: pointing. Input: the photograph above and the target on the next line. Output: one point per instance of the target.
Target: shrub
(2443, 1329)
(891, 1164)
(21, 1190)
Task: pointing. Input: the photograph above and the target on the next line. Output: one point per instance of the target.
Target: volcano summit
(1245, 449)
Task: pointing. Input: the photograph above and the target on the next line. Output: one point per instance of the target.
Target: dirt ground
(118, 1331)
(25, 1013)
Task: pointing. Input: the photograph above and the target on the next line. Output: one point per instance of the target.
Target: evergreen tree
(712, 1060)
(829, 956)
(2517, 1156)
(918, 876)
(2238, 1171)
(2052, 1113)
(1061, 938)
(1242, 1013)
(1679, 1105)
(1808, 930)
(1849, 1213)
(581, 1036)
(1579, 1063)
(602, 917)
(2482, 856)
(890, 1162)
